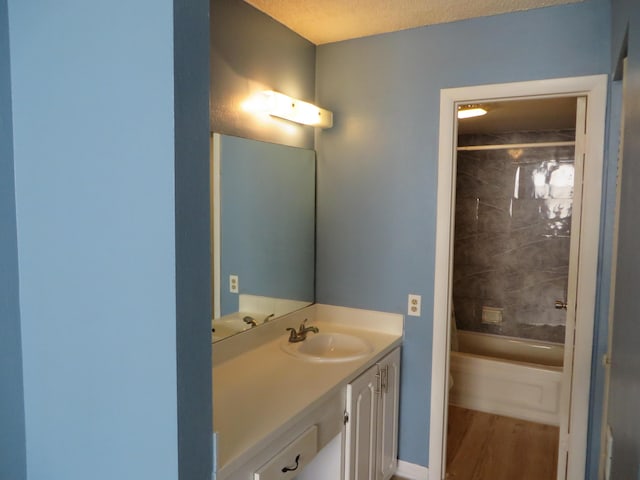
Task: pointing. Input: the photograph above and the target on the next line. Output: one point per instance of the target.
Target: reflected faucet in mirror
(249, 320)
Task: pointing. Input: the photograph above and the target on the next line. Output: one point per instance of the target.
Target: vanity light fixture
(469, 111)
(282, 106)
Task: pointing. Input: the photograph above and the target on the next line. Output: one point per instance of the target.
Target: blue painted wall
(12, 441)
(97, 137)
(192, 237)
(621, 13)
(624, 396)
(377, 167)
(251, 52)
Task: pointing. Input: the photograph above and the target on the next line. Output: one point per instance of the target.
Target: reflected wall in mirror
(263, 232)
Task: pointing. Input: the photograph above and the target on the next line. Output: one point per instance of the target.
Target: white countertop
(260, 393)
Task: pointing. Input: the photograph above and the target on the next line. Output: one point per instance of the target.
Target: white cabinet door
(387, 436)
(371, 431)
(360, 431)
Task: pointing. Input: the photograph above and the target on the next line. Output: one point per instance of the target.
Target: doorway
(580, 312)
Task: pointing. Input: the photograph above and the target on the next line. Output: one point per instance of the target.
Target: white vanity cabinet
(280, 416)
(371, 428)
(286, 454)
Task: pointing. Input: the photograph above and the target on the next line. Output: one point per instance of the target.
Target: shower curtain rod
(516, 145)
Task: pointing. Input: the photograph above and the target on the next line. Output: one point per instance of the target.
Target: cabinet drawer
(290, 461)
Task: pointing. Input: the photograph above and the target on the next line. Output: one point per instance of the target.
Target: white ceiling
(523, 115)
(326, 21)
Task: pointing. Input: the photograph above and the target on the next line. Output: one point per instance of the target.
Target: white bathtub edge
(498, 386)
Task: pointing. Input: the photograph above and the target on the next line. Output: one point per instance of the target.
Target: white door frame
(595, 89)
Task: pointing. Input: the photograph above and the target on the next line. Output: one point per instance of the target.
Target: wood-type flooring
(482, 446)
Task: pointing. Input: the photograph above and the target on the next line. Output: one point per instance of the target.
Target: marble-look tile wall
(512, 234)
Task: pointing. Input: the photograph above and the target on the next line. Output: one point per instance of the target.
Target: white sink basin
(329, 347)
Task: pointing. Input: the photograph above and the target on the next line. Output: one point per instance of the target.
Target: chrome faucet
(301, 334)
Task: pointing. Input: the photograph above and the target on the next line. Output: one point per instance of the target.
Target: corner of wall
(252, 52)
(193, 279)
(12, 440)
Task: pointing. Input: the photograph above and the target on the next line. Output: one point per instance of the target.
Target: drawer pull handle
(293, 468)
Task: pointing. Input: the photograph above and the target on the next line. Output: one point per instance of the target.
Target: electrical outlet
(414, 305)
(234, 285)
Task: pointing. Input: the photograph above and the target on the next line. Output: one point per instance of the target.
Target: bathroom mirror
(263, 232)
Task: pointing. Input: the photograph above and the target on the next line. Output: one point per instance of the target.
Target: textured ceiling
(326, 21)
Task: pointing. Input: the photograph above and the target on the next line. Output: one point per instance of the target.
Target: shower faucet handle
(560, 305)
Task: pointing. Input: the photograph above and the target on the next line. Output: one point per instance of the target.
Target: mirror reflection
(263, 238)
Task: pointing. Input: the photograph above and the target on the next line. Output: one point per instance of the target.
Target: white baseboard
(411, 471)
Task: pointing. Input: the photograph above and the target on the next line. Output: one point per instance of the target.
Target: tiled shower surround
(512, 234)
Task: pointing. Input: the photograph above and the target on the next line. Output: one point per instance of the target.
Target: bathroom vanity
(325, 407)
(277, 404)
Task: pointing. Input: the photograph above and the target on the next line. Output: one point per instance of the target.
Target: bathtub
(507, 376)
